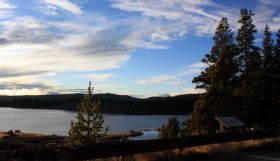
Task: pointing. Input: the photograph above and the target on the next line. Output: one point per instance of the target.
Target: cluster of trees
(241, 79)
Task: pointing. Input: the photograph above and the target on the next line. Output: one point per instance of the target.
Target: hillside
(110, 103)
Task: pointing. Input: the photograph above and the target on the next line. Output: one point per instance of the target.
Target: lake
(58, 121)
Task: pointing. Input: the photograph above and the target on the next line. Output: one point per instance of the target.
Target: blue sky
(136, 47)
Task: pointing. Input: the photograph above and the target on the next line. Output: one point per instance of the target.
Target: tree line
(111, 103)
(242, 78)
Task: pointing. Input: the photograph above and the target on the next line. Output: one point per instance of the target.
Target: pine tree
(277, 45)
(202, 120)
(276, 80)
(277, 62)
(89, 125)
(267, 82)
(245, 39)
(217, 79)
(252, 114)
(172, 128)
(267, 49)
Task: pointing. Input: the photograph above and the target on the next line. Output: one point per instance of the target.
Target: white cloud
(159, 36)
(161, 79)
(6, 9)
(194, 90)
(199, 17)
(24, 85)
(188, 15)
(34, 46)
(195, 68)
(270, 2)
(52, 6)
(5, 4)
(174, 79)
(198, 65)
(267, 14)
(23, 91)
(175, 9)
(50, 47)
(49, 10)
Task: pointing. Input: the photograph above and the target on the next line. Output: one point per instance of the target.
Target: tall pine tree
(267, 84)
(267, 49)
(276, 98)
(277, 63)
(247, 52)
(217, 80)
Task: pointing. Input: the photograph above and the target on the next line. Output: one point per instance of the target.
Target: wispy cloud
(197, 65)
(37, 45)
(190, 14)
(264, 14)
(192, 69)
(5, 4)
(199, 17)
(161, 79)
(23, 85)
(174, 79)
(6, 9)
(41, 47)
(270, 2)
(23, 91)
(51, 7)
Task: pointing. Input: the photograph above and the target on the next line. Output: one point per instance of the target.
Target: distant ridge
(110, 103)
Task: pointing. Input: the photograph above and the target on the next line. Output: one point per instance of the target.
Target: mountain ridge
(110, 103)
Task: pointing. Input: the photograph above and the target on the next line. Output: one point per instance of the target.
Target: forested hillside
(110, 103)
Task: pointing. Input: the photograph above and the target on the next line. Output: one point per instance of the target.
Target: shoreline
(18, 137)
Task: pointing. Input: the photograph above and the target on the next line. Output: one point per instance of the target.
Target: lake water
(58, 121)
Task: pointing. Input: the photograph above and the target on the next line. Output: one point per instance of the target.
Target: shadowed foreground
(108, 149)
(263, 155)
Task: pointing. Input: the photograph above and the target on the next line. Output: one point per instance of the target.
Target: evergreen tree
(252, 114)
(277, 63)
(267, 48)
(245, 39)
(172, 128)
(276, 99)
(217, 79)
(202, 120)
(267, 83)
(277, 46)
(89, 125)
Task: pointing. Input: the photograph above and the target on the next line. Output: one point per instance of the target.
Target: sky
(140, 48)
